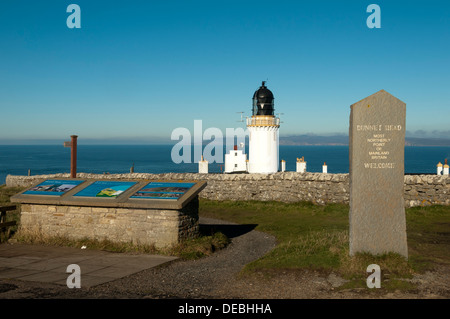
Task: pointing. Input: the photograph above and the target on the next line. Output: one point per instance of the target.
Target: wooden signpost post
(73, 155)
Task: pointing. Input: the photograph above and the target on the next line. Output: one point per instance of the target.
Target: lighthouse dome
(263, 101)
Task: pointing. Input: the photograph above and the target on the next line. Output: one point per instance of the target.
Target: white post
(203, 166)
(324, 168)
(439, 168)
(283, 165)
(301, 165)
(446, 167)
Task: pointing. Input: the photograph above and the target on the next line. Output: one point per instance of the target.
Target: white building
(235, 161)
(263, 129)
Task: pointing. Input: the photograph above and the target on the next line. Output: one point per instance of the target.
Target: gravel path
(203, 278)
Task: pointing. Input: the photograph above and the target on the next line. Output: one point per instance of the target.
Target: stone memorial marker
(377, 145)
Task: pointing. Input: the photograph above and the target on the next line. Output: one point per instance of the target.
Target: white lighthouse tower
(263, 129)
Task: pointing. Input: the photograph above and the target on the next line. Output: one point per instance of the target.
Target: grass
(309, 236)
(199, 247)
(316, 238)
(5, 194)
(195, 248)
(428, 236)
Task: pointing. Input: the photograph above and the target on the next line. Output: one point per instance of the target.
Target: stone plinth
(158, 227)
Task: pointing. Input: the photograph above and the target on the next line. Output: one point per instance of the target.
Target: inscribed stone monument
(377, 145)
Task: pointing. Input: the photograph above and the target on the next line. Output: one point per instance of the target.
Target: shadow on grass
(231, 231)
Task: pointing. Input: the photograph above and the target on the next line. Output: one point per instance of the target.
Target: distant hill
(307, 139)
(421, 141)
(304, 139)
(314, 140)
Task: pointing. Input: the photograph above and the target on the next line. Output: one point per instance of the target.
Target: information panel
(53, 187)
(108, 189)
(160, 190)
(133, 194)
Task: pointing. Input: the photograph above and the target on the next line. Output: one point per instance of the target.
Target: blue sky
(137, 70)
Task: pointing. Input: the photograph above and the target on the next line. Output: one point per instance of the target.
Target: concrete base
(48, 264)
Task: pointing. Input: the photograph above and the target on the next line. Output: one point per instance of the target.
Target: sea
(118, 159)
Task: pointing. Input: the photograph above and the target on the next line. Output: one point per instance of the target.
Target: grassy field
(309, 237)
(316, 237)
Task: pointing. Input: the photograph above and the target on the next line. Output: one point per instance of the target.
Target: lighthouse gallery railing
(263, 121)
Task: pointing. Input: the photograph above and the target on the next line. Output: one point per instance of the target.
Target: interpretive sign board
(53, 187)
(159, 190)
(158, 212)
(108, 189)
(144, 194)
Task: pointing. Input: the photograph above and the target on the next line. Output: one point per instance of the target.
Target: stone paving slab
(49, 264)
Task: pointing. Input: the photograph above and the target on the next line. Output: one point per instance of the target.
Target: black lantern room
(263, 101)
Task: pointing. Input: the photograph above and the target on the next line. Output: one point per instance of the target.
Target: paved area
(49, 264)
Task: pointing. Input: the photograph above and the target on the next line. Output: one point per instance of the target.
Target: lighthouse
(263, 129)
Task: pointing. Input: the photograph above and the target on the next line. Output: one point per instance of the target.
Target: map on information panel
(107, 189)
(53, 187)
(163, 190)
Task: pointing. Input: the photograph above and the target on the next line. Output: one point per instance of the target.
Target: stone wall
(421, 190)
(283, 186)
(161, 228)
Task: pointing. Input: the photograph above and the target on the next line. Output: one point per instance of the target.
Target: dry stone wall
(286, 187)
